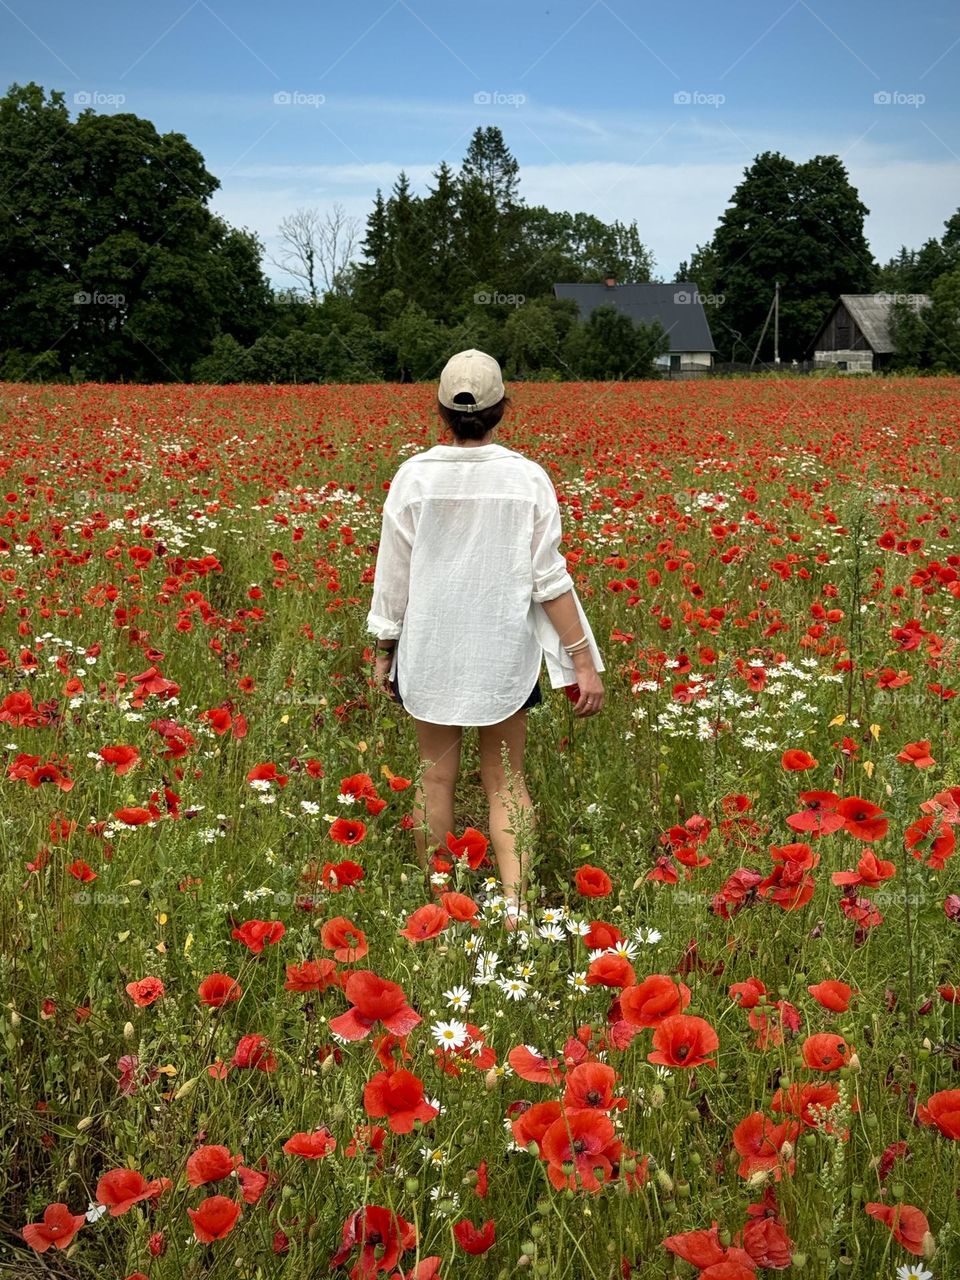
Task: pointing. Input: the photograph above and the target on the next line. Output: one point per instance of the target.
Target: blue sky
(620, 108)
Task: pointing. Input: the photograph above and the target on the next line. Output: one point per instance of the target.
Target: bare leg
(440, 751)
(497, 783)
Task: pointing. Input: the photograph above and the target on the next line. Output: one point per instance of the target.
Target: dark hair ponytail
(472, 426)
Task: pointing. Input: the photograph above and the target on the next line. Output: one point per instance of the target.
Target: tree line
(114, 268)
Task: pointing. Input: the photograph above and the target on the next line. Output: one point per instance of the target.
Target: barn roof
(871, 311)
(684, 320)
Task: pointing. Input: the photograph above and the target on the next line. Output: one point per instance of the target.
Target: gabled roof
(676, 306)
(871, 311)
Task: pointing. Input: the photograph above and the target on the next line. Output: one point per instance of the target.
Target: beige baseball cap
(475, 373)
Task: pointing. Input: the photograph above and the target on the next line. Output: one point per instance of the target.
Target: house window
(674, 362)
(842, 364)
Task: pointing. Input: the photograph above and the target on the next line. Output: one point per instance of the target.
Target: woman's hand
(381, 673)
(591, 691)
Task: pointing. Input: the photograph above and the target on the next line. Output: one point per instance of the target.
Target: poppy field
(244, 1034)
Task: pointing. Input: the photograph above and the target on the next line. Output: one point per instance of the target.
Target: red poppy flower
(918, 754)
(765, 1237)
(592, 882)
(121, 1189)
(214, 1218)
(347, 831)
(825, 1052)
(338, 875)
(58, 1228)
(590, 1087)
(374, 999)
(253, 1183)
(932, 837)
(344, 939)
(312, 975)
(819, 816)
(602, 936)
(532, 1066)
(795, 760)
(218, 989)
(253, 1052)
(908, 1224)
(871, 871)
(472, 1240)
(761, 1142)
(611, 971)
(382, 1236)
(654, 999)
(255, 934)
(747, 994)
(397, 1096)
(684, 1041)
(144, 991)
(312, 1146)
(425, 923)
(460, 906)
(81, 871)
(862, 819)
(832, 994)
(210, 1164)
(472, 845)
(942, 1110)
(586, 1141)
(533, 1123)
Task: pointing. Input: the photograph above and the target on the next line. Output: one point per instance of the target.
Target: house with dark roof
(855, 336)
(677, 306)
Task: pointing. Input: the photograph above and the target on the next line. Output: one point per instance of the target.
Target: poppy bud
(524, 1260)
(657, 1096)
(724, 1238)
(411, 1186)
(533, 1149)
(798, 1260)
(128, 1031)
(85, 1123)
(928, 1244)
(186, 1089)
(327, 1065)
(14, 1019)
(854, 1064)
(664, 1180)
(491, 1080)
(787, 1150)
(528, 1246)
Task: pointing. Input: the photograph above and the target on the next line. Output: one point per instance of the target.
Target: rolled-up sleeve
(550, 575)
(391, 579)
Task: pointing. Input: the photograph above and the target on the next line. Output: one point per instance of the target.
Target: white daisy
(449, 1035)
(579, 983)
(647, 937)
(910, 1272)
(346, 798)
(457, 998)
(552, 932)
(513, 988)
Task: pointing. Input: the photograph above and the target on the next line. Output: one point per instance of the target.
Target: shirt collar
(456, 453)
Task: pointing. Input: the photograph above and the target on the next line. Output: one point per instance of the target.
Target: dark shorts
(534, 700)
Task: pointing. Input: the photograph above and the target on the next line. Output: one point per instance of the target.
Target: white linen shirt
(469, 549)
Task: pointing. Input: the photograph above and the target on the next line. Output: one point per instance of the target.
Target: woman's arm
(391, 579)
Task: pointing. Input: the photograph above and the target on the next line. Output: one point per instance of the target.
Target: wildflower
(683, 1041)
(214, 1218)
(145, 991)
(458, 998)
(942, 1110)
(218, 989)
(373, 999)
(908, 1272)
(472, 1240)
(311, 1146)
(656, 998)
(592, 882)
(425, 923)
(255, 934)
(397, 1096)
(58, 1228)
(513, 988)
(121, 1189)
(908, 1224)
(344, 939)
(449, 1035)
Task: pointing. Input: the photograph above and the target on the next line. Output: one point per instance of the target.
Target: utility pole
(776, 322)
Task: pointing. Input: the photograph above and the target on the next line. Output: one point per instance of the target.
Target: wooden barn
(677, 307)
(855, 337)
